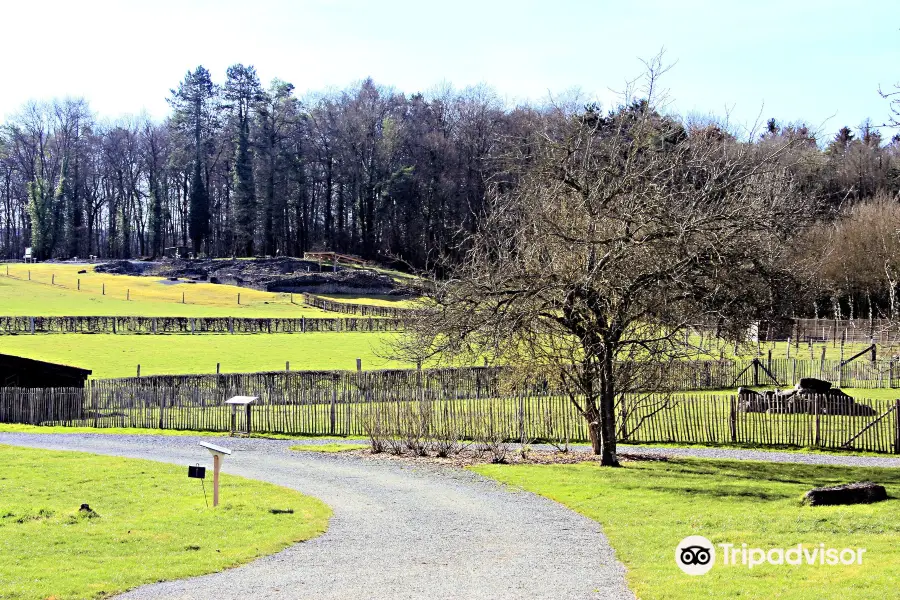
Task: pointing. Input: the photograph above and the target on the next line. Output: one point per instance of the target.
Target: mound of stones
(342, 282)
(123, 267)
(808, 397)
(863, 492)
(278, 274)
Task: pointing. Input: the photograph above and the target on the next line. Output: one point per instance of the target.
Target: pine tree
(194, 112)
(242, 92)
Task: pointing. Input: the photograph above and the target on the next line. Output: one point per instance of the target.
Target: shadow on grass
(720, 479)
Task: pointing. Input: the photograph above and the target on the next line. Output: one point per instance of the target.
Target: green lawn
(647, 508)
(152, 524)
(53, 291)
(111, 355)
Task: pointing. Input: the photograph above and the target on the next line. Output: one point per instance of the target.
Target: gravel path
(398, 531)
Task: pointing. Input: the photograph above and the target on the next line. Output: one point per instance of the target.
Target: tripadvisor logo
(696, 555)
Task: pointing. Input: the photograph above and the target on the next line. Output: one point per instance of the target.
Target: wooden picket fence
(192, 325)
(463, 403)
(43, 405)
(880, 331)
(363, 310)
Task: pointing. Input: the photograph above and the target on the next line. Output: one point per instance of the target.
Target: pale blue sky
(816, 61)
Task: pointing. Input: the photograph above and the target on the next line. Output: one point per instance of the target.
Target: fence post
(822, 364)
(755, 372)
(333, 405)
(817, 439)
(732, 419)
(897, 426)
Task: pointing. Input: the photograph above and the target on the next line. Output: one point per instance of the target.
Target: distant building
(16, 371)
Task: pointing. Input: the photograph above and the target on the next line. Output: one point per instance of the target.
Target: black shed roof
(17, 371)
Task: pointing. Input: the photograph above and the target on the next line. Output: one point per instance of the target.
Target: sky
(818, 62)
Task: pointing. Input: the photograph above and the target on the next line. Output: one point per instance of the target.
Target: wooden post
(29, 274)
(359, 364)
(239, 298)
(788, 347)
(217, 463)
(139, 370)
(732, 419)
(891, 373)
(217, 368)
(53, 279)
(822, 364)
(182, 297)
(755, 372)
(769, 360)
(249, 423)
(817, 441)
(897, 427)
(103, 292)
(333, 406)
(79, 285)
(287, 365)
(128, 294)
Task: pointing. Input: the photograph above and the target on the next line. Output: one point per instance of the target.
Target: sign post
(218, 452)
(244, 401)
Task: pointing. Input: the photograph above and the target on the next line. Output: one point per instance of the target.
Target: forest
(239, 168)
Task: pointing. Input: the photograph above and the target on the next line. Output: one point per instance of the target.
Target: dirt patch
(469, 457)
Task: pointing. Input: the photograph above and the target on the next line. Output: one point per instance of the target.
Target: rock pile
(809, 396)
(863, 492)
(281, 274)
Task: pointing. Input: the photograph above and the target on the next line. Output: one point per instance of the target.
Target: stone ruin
(808, 397)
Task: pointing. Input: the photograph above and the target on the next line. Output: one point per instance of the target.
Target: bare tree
(610, 236)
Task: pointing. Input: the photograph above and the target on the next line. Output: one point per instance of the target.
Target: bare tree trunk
(607, 452)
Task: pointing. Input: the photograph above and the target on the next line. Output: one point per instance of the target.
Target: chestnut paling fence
(460, 403)
(192, 325)
(363, 310)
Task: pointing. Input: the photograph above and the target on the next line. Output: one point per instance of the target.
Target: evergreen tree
(40, 212)
(194, 112)
(242, 92)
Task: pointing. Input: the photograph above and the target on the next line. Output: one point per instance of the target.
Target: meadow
(150, 523)
(118, 355)
(53, 290)
(647, 508)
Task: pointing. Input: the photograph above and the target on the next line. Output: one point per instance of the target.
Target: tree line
(242, 169)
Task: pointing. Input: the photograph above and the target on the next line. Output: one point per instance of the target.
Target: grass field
(149, 297)
(647, 508)
(111, 355)
(152, 524)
